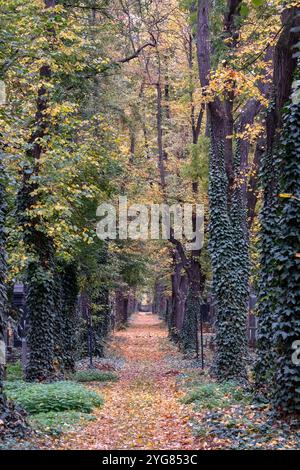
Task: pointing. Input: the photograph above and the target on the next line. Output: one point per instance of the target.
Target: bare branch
(135, 54)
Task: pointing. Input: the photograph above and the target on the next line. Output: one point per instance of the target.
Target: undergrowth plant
(58, 396)
(217, 395)
(94, 375)
(57, 422)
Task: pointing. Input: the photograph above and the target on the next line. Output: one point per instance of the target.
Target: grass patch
(217, 395)
(58, 396)
(58, 422)
(14, 371)
(94, 375)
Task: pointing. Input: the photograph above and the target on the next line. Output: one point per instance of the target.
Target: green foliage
(55, 423)
(14, 371)
(244, 10)
(197, 168)
(258, 3)
(217, 396)
(134, 268)
(58, 396)
(94, 375)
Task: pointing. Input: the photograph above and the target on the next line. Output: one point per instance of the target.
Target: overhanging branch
(136, 53)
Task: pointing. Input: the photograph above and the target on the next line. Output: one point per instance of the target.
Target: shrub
(14, 371)
(58, 396)
(57, 422)
(94, 375)
(217, 395)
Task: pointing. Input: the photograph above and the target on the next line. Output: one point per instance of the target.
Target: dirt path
(141, 410)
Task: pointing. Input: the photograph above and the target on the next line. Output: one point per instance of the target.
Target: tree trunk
(121, 309)
(160, 137)
(179, 293)
(70, 290)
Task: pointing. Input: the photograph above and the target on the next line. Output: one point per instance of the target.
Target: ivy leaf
(244, 10)
(258, 3)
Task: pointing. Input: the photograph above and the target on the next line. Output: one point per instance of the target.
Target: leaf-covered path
(142, 410)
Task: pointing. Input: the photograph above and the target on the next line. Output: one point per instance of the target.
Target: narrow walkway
(141, 410)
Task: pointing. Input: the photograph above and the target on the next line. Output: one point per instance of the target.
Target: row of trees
(60, 158)
(253, 130)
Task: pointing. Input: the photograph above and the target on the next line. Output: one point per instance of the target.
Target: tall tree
(227, 219)
(278, 304)
(3, 298)
(40, 273)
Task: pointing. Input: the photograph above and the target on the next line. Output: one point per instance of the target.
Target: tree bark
(179, 293)
(160, 137)
(121, 309)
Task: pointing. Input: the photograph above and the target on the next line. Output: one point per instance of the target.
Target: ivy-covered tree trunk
(196, 280)
(70, 291)
(229, 258)
(40, 303)
(59, 332)
(67, 290)
(189, 332)
(12, 418)
(240, 259)
(269, 231)
(101, 319)
(100, 307)
(278, 300)
(3, 404)
(286, 253)
(94, 280)
(279, 293)
(228, 236)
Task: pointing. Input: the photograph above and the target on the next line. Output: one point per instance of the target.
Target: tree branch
(135, 54)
